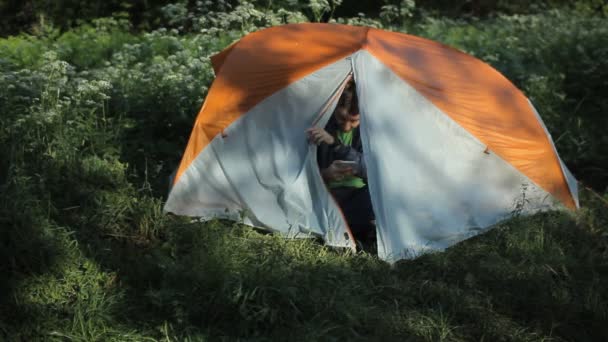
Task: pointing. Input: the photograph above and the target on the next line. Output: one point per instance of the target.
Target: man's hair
(349, 99)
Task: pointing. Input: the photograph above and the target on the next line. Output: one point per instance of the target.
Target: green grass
(86, 253)
(535, 278)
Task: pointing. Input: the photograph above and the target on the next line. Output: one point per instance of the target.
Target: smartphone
(346, 164)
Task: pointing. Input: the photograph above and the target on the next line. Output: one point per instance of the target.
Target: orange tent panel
(478, 98)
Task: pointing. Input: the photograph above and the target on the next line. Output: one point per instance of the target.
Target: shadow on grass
(529, 278)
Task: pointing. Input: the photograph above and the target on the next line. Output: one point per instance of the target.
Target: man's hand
(318, 135)
(336, 172)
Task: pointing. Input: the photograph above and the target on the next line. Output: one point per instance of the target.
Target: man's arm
(318, 135)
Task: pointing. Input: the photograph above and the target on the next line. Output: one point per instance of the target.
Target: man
(340, 157)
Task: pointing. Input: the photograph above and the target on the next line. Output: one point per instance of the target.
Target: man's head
(346, 119)
(347, 111)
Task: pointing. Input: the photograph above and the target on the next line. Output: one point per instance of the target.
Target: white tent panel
(263, 169)
(432, 183)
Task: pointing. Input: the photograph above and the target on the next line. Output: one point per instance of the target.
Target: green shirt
(346, 139)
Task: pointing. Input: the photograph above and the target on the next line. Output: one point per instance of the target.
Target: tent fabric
(475, 95)
(451, 146)
(262, 169)
(261, 64)
(478, 98)
(432, 182)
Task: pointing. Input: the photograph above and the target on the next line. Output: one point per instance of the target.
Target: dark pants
(356, 205)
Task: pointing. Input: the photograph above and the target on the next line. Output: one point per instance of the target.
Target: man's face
(345, 121)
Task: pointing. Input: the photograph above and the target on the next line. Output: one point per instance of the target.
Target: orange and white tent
(451, 146)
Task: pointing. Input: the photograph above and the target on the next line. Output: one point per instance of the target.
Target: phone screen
(345, 163)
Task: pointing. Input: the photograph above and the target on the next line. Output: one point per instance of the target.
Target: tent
(451, 146)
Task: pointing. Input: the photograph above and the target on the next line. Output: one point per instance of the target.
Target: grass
(536, 278)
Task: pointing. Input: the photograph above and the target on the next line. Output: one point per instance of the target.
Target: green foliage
(87, 254)
(217, 17)
(89, 46)
(396, 12)
(35, 15)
